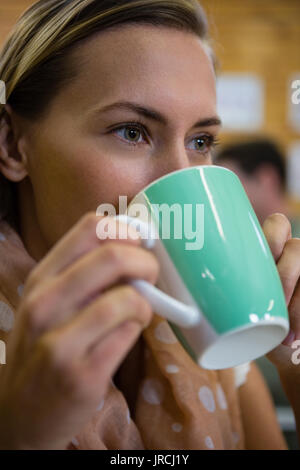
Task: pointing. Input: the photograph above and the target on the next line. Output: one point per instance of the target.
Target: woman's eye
(203, 144)
(131, 134)
(134, 134)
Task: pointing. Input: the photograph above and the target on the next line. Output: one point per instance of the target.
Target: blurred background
(257, 47)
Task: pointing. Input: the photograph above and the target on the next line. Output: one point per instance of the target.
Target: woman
(102, 98)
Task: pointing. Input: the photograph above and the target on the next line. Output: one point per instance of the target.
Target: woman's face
(142, 105)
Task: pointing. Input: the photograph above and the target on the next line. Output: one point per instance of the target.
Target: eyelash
(212, 142)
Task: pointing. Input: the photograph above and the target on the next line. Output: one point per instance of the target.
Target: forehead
(145, 63)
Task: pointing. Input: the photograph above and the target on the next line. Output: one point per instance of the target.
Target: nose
(173, 158)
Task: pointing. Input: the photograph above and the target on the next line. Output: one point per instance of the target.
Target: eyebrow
(155, 115)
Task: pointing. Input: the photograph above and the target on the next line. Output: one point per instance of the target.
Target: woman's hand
(286, 252)
(73, 328)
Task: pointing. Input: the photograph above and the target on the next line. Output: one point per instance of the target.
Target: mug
(218, 286)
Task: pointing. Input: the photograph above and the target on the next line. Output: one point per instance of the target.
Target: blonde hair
(35, 61)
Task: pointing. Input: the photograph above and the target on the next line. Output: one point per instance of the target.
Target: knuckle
(131, 296)
(293, 244)
(137, 303)
(90, 220)
(113, 254)
(108, 307)
(32, 311)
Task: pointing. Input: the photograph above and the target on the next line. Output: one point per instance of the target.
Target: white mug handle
(179, 313)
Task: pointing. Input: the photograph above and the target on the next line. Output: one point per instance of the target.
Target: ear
(13, 161)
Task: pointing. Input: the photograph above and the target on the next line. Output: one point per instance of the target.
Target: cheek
(108, 173)
(69, 184)
(104, 177)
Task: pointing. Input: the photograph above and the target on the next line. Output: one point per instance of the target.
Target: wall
(262, 37)
(256, 36)
(10, 10)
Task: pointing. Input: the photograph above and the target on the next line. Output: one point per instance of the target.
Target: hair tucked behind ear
(35, 62)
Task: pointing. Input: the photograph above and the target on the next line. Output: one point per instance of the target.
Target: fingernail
(289, 339)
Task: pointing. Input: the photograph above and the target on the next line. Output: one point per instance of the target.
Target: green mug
(218, 286)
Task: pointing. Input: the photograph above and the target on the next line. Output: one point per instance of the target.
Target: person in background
(261, 167)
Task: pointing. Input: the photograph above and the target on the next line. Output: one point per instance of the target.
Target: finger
(108, 354)
(79, 337)
(294, 313)
(82, 238)
(61, 298)
(93, 373)
(289, 267)
(277, 230)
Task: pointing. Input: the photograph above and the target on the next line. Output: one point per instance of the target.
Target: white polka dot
(236, 437)
(207, 399)
(100, 405)
(176, 427)
(172, 369)
(2, 237)
(75, 441)
(209, 443)
(128, 416)
(6, 317)
(164, 333)
(20, 289)
(153, 391)
(240, 373)
(221, 397)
